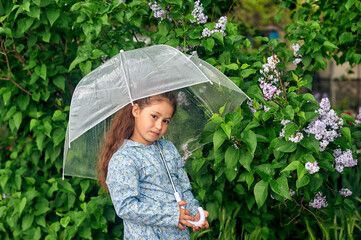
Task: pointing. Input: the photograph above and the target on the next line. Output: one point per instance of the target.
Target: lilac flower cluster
(325, 126)
(220, 27)
(253, 110)
(298, 56)
(343, 159)
(319, 201)
(4, 196)
(284, 122)
(270, 80)
(292, 192)
(182, 99)
(296, 137)
(345, 192)
(312, 167)
(358, 118)
(158, 11)
(187, 49)
(198, 13)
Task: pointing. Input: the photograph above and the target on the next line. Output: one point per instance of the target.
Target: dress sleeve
(123, 184)
(193, 203)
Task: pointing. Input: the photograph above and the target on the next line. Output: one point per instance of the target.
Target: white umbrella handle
(200, 210)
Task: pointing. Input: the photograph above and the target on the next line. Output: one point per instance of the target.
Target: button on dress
(142, 193)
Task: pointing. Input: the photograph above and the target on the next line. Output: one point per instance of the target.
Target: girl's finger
(187, 217)
(186, 212)
(184, 222)
(206, 214)
(181, 226)
(182, 203)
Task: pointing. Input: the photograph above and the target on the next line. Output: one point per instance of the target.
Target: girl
(132, 171)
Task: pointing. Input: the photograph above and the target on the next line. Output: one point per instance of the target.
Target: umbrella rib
(125, 77)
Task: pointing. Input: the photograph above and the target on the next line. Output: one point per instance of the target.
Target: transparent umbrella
(131, 75)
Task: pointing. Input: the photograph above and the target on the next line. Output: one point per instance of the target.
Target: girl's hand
(205, 224)
(184, 215)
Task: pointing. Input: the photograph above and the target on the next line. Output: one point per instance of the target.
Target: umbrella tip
(121, 50)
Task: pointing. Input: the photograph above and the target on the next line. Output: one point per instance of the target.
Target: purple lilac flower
(298, 56)
(158, 11)
(220, 27)
(343, 159)
(358, 118)
(319, 201)
(345, 192)
(296, 137)
(325, 127)
(253, 110)
(182, 99)
(312, 167)
(4, 196)
(284, 122)
(198, 13)
(292, 192)
(269, 83)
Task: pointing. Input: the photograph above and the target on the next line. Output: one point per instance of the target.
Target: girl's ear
(135, 110)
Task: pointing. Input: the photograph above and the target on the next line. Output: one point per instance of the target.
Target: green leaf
(27, 221)
(280, 186)
(282, 145)
(208, 44)
(227, 128)
(311, 144)
(346, 133)
(197, 164)
(309, 97)
(58, 136)
(329, 44)
(346, 37)
(21, 206)
(250, 138)
(306, 60)
(18, 117)
(260, 193)
(7, 97)
(218, 139)
(245, 159)
(176, 2)
(40, 141)
(349, 4)
(231, 157)
(41, 71)
(59, 116)
(76, 61)
(292, 166)
(246, 72)
(266, 172)
(303, 181)
(290, 129)
(65, 221)
(59, 81)
(219, 37)
(23, 101)
(232, 66)
(52, 14)
(316, 182)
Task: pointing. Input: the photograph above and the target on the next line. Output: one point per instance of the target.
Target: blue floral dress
(142, 193)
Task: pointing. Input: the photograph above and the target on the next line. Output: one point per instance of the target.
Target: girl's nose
(158, 124)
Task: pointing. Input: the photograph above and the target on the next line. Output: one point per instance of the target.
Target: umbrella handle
(200, 210)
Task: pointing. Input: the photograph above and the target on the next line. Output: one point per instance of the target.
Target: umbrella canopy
(136, 74)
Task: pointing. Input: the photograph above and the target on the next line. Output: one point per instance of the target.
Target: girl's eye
(166, 121)
(154, 116)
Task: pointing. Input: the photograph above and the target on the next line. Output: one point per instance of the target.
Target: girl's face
(152, 121)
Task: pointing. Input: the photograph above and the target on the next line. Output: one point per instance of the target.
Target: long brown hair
(122, 127)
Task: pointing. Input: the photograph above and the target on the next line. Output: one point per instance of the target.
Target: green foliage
(47, 46)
